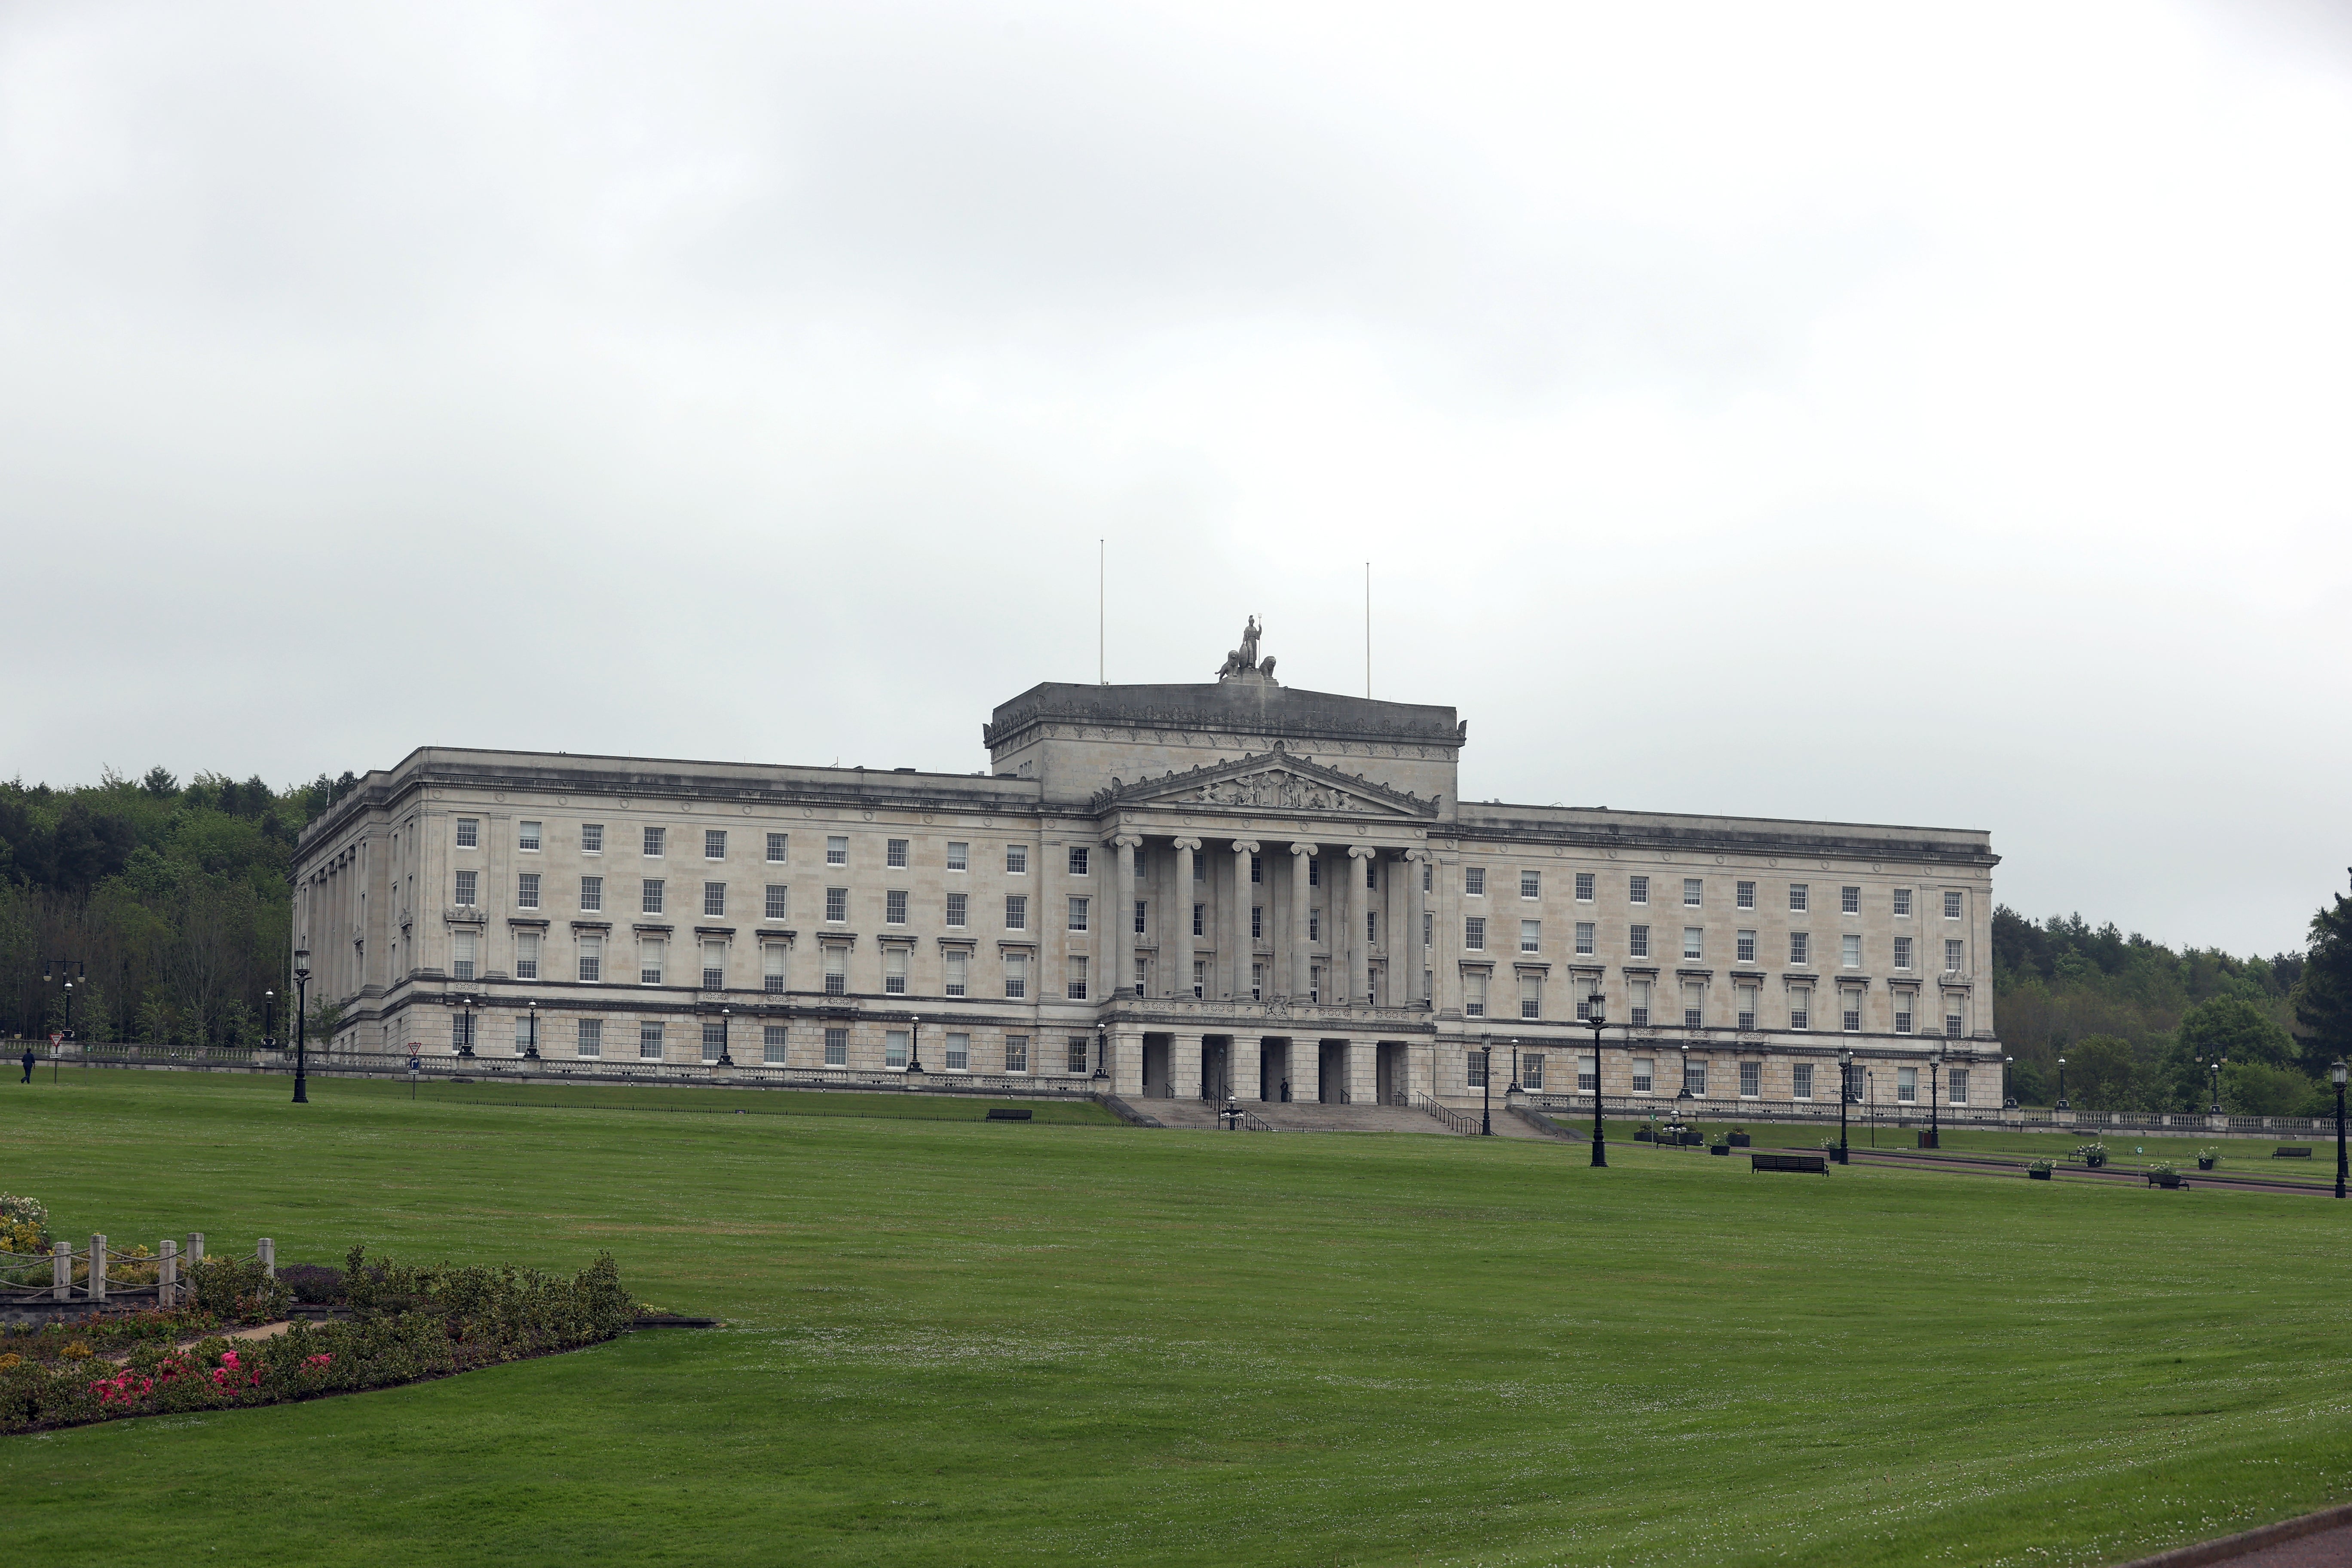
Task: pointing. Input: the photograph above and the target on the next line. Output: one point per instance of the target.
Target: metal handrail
(1453, 1120)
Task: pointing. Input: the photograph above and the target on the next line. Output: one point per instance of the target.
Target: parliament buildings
(1227, 888)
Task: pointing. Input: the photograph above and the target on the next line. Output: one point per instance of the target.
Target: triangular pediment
(1269, 782)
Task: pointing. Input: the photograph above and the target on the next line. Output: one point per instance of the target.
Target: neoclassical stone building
(1165, 890)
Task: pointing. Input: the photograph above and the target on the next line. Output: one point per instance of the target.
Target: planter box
(1642, 1135)
(2037, 1175)
(1739, 1140)
(2204, 1164)
(1723, 1149)
(2164, 1178)
(1927, 1141)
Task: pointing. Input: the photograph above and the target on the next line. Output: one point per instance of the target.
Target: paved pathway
(2322, 1539)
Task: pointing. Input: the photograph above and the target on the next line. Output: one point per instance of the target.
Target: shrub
(2093, 1154)
(2043, 1165)
(2163, 1168)
(314, 1283)
(236, 1289)
(2207, 1158)
(23, 1224)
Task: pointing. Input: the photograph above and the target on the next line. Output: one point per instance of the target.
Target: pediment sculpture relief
(1275, 788)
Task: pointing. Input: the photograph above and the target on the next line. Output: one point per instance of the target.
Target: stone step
(1308, 1116)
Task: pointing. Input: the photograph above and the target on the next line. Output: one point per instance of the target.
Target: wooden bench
(1001, 1113)
(2289, 1151)
(1819, 1163)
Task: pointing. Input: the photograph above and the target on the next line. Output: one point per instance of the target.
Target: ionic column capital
(1362, 851)
(1125, 841)
(1186, 843)
(1305, 849)
(1245, 845)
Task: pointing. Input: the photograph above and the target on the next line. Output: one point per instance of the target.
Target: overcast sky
(1861, 412)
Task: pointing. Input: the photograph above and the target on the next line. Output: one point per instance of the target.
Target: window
(1694, 941)
(1638, 891)
(1695, 1078)
(1902, 1011)
(894, 972)
(1797, 898)
(780, 848)
(1582, 991)
(958, 910)
(469, 833)
(837, 970)
(1801, 948)
(461, 1033)
(466, 881)
(1473, 881)
(1959, 1080)
(714, 965)
(836, 849)
(1428, 929)
(1850, 1011)
(1258, 923)
(653, 840)
(1078, 1053)
(591, 892)
(1474, 1070)
(1079, 856)
(1141, 908)
(1016, 861)
(772, 1044)
(714, 1040)
(1951, 906)
(894, 1047)
(527, 890)
(1801, 1081)
(1637, 941)
(1850, 952)
(1371, 875)
(1016, 911)
(1744, 949)
(772, 967)
(649, 900)
(592, 957)
(1428, 982)
(589, 1040)
(1745, 998)
(1314, 925)
(1644, 1074)
(894, 853)
(837, 904)
(1199, 979)
(1314, 872)
(714, 898)
(1902, 953)
(1637, 1004)
(1078, 914)
(894, 907)
(777, 905)
(1531, 884)
(958, 965)
(649, 1041)
(1745, 897)
(1801, 1008)
(1016, 1053)
(1906, 1084)
(1257, 869)
(1531, 936)
(1257, 981)
(1694, 892)
(1474, 994)
(649, 961)
(1953, 1020)
(1428, 876)
(462, 955)
(1584, 939)
(1752, 1080)
(1694, 1004)
(1531, 1071)
(959, 1050)
(1530, 997)
(714, 844)
(1903, 900)
(1077, 981)
(1474, 932)
(1951, 957)
(1200, 920)
(527, 837)
(1584, 887)
(1855, 1080)
(1848, 901)
(1016, 975)
(836, 1048)
(592, 839)
(527, 956)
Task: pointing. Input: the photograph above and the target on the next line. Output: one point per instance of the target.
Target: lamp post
(2218, 1064)
(2008, 1100)
(270, 1020)
(1934, 1093)
(530, 1041)
(2062, 1104)
(466, 1034)
(914, 1042)
(1845, 1097)
(2336, 1074)
(301, 1025)
(1596, 1018)
(68, 970)
(1102, 1043)
(1514, 1067)
(1486, 1086)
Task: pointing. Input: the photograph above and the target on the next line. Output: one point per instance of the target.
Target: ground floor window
(1588, 1074)
(1906, 1084)
(894, 1047)
(1801, 1081)
(1752, 1080)
(959, 1053)
(772, 1038)
(1200, 978)
(1531, 1072)
(592, 1037)
(649, 1042)
(714, 1041)
(1644, 1066)
(1016, 1053)
(1475, 1070)
(1960, 1080)
(1078, 1053)
(836, 1048)
(1695, 1079)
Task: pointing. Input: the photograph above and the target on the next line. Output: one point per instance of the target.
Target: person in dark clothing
(28, 1063)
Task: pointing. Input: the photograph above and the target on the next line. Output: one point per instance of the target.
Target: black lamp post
(301, 1025)
(2218, 1063)
(1934, 1093)
(2062, 1086)
(466, 1034)
(1485, 1086)
(270, 1020)
(726, 1037)
(1102, 1043)
(914, 1044)
(530, 1040)
(69, 970)
(1596, 1018)
(2008, 1100)
(1845, 1097)
(1514, 1067)
(2336, 1074)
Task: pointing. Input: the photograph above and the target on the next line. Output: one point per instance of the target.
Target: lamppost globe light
(2338, 1073)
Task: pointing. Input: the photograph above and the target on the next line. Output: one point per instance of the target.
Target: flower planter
(2037, 1175)
(2095, 1161)
(1642, 1135)
(2205, 1164)
(2164, 1178)
(1739, 1140)
(1719, 1149)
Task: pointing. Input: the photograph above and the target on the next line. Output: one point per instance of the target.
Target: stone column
(1122, 914)
(1405, 948)
(1237, 969)
(1359, 903)
(1184, 1066)
(1177, 949)
(1126, 1046)
(1364, 1072)
(1302, 855)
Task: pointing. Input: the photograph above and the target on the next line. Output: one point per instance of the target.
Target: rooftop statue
(1242, 662)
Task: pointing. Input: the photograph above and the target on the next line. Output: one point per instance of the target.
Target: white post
(98, 1268)
(266, 1251)
(195, 1247)
(60, 1272)
(167, 1273)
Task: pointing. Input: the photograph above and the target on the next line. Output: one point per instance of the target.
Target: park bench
(1002, 1113)
(2289, 1151)
(1810, 1163)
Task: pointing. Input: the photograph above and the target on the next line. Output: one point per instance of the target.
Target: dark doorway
(1331, 1073)
(1157, 1079)
(1216, 1069)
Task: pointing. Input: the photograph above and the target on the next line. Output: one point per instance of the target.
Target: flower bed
(406, 1323)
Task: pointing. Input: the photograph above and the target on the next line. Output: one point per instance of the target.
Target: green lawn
(958, 1342)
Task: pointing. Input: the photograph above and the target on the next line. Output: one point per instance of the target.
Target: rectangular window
(1801, 1008)
(1850, 952)
(469, 833)
(1473, 994)
(466, 881)
(1076, 1053)
(1584, 939)
(1474, 932)
(1906, 1084)
(1902, 953)
(1531, 1071)
(1314, 925)
(1314, 872)
(1695, 1079)
(1745, 996)
(714, 898)
(1016, 975)
(959, 1053)
(1531, 884)
(1474, 1070)
(1901, 1014)
(777, 904)
(1901, 901)
(714, 965)
(1141, 908)
(1644, 1074)
(1077, 981)
(894, 907)
(837, 970)
(1583, 993)
(958, 965)
(958, 856)
(592, 957)
(589, 1040)
(1016, 859)
(894, 1047)
(1016, 911)
(649, 961)
(714, 844)
(1373, 926)
(1473, 881)
(527, 956)
(836, 849)
(653, 840)
(1951, 906)
(1637, 1004)
(1078, 914)
(836, 1048)
(1952, 1019)
(1951, 957)
(714, 1041)
(1752, 1080)
(1428, 929)
(1530, 998)
(1257, 869)
(1694, 941)
(1371, 875)
(1801, 1081)
(780, 848)
(527, 890)
(591, 892)
(649, 1041)
(1745, 895)
(1850, 1011)
(1801, 948)
(1638, 891)
(1199, 979)
(774, 1047)
(958, 910)
(1258, 923)
(1744, 948)
(1694, 892)
(1848, 901)
(772, 967)
(836, 905)
(592, 839)
(1797, 895)
(1958, 1092)
(894, 854)
(1637, 942)
(649, 900)
(462, 955)
(461, 1033)
(894, 972)
(1531, 936)
(1257, 981)
(1200, 920)
(527, 837)
(1016, 1053)
(1079, 859)
(1584, 887)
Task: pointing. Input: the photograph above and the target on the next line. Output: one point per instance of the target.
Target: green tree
(2103, 1073)
(2323, 995)
(2258, 1088)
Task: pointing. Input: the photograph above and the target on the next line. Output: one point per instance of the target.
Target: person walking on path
(28, 1063)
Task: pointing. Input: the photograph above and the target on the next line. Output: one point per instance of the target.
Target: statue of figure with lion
(1244, 660)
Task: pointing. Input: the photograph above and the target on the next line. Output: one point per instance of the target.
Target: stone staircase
(1306, 1116)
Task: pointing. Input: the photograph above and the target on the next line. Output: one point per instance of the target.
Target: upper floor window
(1848, 901)
(894, 907)
(1016, 912)
(779, 847)
(526, 837)
(837, 904)
(1902, 953)
(651, 902)
(1745, 895)
(958, 910)
(836, 849)
(778, 904)
(1473, 881)
(591, 892)
(958, 856)
(1901, 901)
(1584, 939)
(1531, 884)
(714, 898)
(1952, 957)
(1078, 914)
(1141, 908)
(1638, 891)
(1016, 859)
(1798, 897)
(1801, 948)
(1531, 936)
(1744, 948)
(1850, 952)
(1951, 906)
(469, 833)
(1584, 887)
(1694, 892)
(527, 890)
(894, 854)
(656, 840)
(1473, 934)
(466, 881)
(1079, 855)
(1637, 941)
(1694, 941)
(592, 839)
(714, 844)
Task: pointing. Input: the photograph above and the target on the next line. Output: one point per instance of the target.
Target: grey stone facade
(1231, 886)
